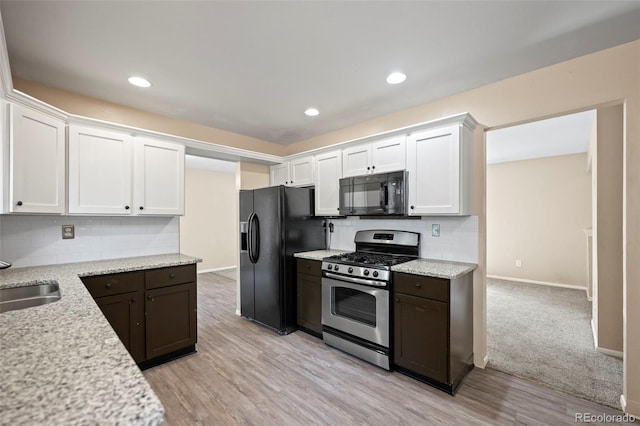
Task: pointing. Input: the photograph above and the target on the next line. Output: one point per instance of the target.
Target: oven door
(356, 309)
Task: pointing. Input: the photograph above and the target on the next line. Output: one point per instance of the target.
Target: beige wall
(602, 78)
(207, 230)
(253, 175)
(537, 211)
(74, 103)
(607, 229)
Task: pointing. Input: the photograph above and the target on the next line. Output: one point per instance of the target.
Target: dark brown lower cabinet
(171, 319)
(433, 328)
(125, 313)
(309, 296)
(154, 312)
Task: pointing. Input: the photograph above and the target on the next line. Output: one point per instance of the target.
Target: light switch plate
(68, 232)
(435, 230)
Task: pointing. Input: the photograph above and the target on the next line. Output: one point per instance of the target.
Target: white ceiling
(568, 134)
(253, 67)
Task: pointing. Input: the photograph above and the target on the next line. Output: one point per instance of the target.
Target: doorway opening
(543, 184)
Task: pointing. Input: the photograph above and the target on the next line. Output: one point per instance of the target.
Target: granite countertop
(62, 363)
(435, 268)
(318, 254)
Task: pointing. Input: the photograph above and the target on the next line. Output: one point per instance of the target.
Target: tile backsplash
(37, 240)
(458, 240)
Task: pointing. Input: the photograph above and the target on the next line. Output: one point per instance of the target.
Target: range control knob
(336, 268)
(366, 272)
(330, 267)
(375, 273)
(350, 270)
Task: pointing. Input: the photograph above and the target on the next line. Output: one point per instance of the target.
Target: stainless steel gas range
(356, 293)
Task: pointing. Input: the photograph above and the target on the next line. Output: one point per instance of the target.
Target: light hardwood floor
(246, 374)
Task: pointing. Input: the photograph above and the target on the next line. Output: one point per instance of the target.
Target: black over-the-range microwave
(373, 195)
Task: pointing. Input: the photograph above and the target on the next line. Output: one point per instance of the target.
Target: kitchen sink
(27, 296)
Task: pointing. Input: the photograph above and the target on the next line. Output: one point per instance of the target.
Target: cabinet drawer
(109, 285)
(170, 276)
(310, 267)
(421, 286)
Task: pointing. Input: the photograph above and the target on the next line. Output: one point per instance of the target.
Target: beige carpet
(543, 334)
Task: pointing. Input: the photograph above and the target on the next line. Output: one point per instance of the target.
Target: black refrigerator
(275, 223)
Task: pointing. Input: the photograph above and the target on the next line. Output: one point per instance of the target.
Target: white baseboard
(481, 363)
(547, 283)
(630, 407)
(617, 354)
(204, 271)
(595, 335)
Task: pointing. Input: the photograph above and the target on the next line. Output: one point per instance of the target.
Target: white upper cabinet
(100, 171)
(389, 155)
(36, 162)
(439, 168)
(159, 178)
(356, 160)
(297, 172)
(301, 171)
(386, 155)
(327, 190)
(279, 174)
(113, 173)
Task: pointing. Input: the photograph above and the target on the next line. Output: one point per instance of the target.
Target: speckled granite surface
(435, 268)
(62, 363)
(318, 254)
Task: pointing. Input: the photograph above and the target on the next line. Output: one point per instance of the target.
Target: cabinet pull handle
(411, 207)
(368, 168)
(418, 285)
(308, 266)
(108, 285)
(172, 275)
(19, 203)
(397, 299)
(149, 298)
(126, 207)
(133, 300)
(373, 167)
(141, 208)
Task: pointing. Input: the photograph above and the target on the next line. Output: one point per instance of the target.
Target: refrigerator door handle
(256, 230)
(250, 237)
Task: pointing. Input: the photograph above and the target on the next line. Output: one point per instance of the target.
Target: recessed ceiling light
(312, 112)
(396, 78)
(139, 81)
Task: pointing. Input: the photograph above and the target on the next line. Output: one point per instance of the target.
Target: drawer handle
(397, 300)
(172, 275)
(418, 285)
(19, 203)
(108, 285)
(308, 266)
(133, 300)
(149, 298)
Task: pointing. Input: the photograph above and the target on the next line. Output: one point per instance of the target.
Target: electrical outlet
(68, 232)
(518, 263)
(435, 230)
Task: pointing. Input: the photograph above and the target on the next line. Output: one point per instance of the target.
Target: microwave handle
(384, 196)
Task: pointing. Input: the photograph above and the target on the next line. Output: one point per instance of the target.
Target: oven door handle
(355, 280)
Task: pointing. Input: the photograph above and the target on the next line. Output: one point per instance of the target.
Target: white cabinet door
(100, 171)
(437, 163)
(389, 155)
(301, 171)
(327, 191)
(36, 162)
(356, 160)
(279, 174)
(4, 157)
(159, 178)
